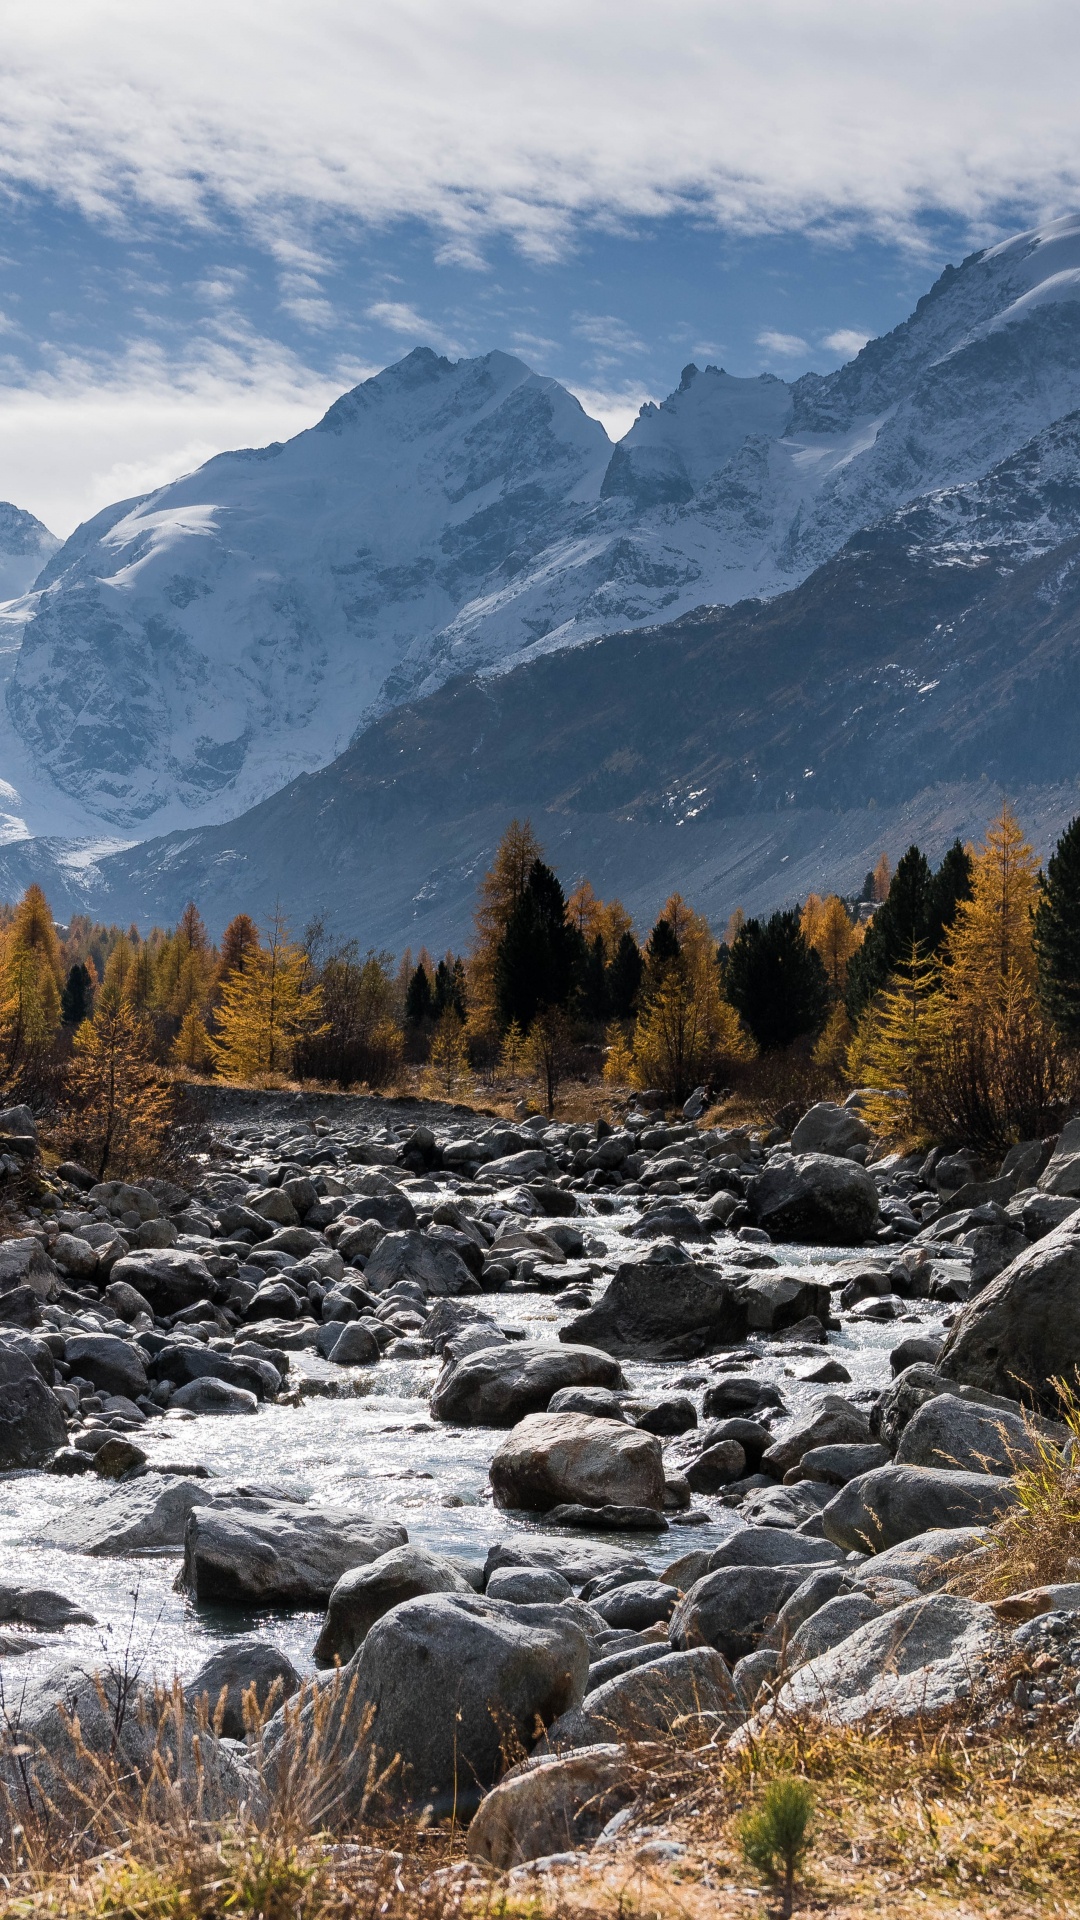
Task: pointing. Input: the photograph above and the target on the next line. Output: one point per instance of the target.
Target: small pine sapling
(775, 1836)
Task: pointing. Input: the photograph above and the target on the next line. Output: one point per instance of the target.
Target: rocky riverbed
(673, 1405)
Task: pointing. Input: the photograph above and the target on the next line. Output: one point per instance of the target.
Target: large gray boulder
(291, 1556)
(557, 1459)
(916, 1659)
(501, 1384)
(774, 1301)
(365, 1593)
(414, 1256)
(24, 1263)
(949, 1432)
(836, 1422)
(730, 1608)
(753, 1547)
(662, 1311)
(647, 1701)
(214, 1396)
(812, 1196)
(828, 1128)
(447, 1685)
(891, 1504)
(109, 1363)
(1062, 1174)
(31, 1423)
(836, 1620)
(1023, 1330)
(167, 1277)
(927, 1561)
(242, 1667)
(154, 1514)
(552, 1803)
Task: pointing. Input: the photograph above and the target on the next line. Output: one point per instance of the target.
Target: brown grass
(1036, 1544)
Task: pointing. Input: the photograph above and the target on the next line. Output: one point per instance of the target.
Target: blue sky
(211, 222)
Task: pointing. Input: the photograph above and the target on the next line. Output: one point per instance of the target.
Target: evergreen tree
(537, 960)
(776, 982)
(449, 987)
(624, 977)
(594, 982)
(903, 919)
(662, 946)
(77, 999)
(950, 886)
(1057, 934)
(418, 997)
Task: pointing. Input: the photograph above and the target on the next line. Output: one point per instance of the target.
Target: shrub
(775, 1836)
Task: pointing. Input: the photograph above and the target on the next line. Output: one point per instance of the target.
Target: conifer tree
(512, 1051)
(191, 1048)
(500, 890)
(624, 977)
(266, 1008)
(991, 941)
(1057, 935)
(538, 957)
(419, 999)
(595, 1004)
(239, 940)
(449, 1076)
(77, 999)
(901, 920)
(949, 886)
(826, 926)
(894, 1050)
(118, 1103)
(31, 975)
(776, 982)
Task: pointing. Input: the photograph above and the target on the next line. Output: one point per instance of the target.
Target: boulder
(20, 1308)
(210, 1395)
(243, 1667)
(413, 1256)
(183, 1361)
(289, 1556)
(1023, 1330)
(528, 1586)
(904, 1395)
(24, 1263)
(512, 1167)
(366, 1592)
(499, 1385)
(126, 1301)
(820, 1586)
(775, 1301)
(552, 1803)
(1062, 1174)
(716, 1466)
(75, 1256)
(815, 1197)
(32, 1345)
(836, 1465)
(637, 1604)
(41, 1607)
(31, 1423)
(891, 1504)
(647, 1701)
(835, 1423)
(835, 1621)
(830, 1129)
(753, 1547)
(274, 1205)
(992, 1249)
(111, 1364)
(927, 1560)
(661, 1310)
(730, 1608)
(169, 1278)
(914, 1660)
(154, 1514)
(554, 1458)
(355, 1346)
(447, 1684)
(949, 1432)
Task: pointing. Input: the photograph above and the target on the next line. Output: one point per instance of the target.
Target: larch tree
(118, 1102)
(31, 979)
(266, 1008)
(449, 1076)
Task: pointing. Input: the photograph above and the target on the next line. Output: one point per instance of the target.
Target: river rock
(365, 1593)
(915, 1660)
(1023, 1330)
(31, 1423)
(500, 1385)
(730, 1608)
(450, 1683)
(647, 1701)
(1062, 1173)
(637, 1604)
(891, 1504)
(834, 1423)
(210, 1395)
(775, 1301)
(753, 1547)
(168, 1277)
(835, 1621)
(551, 1459)
(113, 1365)
(413, 1256)
(827, 1128)
(24, 1263)
(528, 1586)
(836, 1465)
(238, 1667)
(659, 1310)
(290, 1556)
(812, 1196)
(927, 1561)
(41, 1607)
(949, 1432)
(552, 1803)
(154, 1514)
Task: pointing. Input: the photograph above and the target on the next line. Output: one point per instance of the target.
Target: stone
(126, 1301)
(155, 1233)
(554, 1459)
(819, 1586)
(827, 1128)
(834, 1622)
(31, 1423)
(413, 1256)
(185, 1360)
(637, 1604)
(647, 1701)
(903, 1396)
(753, 1547)
(119, 1197)
(600, 1402)
(512, 1167)
(17, 1123)
(1062, 1174)
(676, 1414)
(210, 1395)
(716, 1466)
(500, 1385)
(1023, 1330)
(168, 1278)
(238, 1668)
(552, 1803)
(992, 1249)
(914, 1660)
(815, 1197)
(354, 1346)
(20, 1308)
(153, 1515)
(117, 1458)
(289, 1556)
(927, 1560)
(949, 1432)
(75, 1256)
(775, 1302)
(449, 1683)
(609, 1518)
(890, 1504)
(919, 1349)
(740, 1393)
(528, 1586)
(730, 1608)
(838, 1464)
(657, 1310)
(835, 1422)
(367, 1591)
(41, 1607)
(112, 1364)
(24, 1263)
(274, 1205)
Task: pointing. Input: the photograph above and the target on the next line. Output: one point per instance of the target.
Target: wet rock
(919, 1349)
(835, 1423)
(118, 1458)
(815, 1197)
(775, 1302)
(240, 1667)
(716, 1466)
(740, 1393)
(214, 1396)
(354, 1346)
(730, 1608)
(552, 1803)
(288, 1556)
(554, 1458)
(366, 1592)
(500, 1385)
(600, 1402)
(610, 1518)
(154, 1514)
(662, 1311)
(892, 1504)
(31, 1423)
(949, 1432)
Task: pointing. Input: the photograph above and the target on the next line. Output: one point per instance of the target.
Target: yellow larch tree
(266, 1006)
(31, 976)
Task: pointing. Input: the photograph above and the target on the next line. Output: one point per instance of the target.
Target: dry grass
(1038, 1543)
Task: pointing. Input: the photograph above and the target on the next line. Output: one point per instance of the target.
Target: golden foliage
(118, 1102)
(449, 1076)
(266, 1008)
(31, 972)
(827, 927)
(686, 1031)
(618, 1057)
(191, 1048)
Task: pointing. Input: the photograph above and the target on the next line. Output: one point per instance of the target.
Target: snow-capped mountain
(25, 545)
(186, 654)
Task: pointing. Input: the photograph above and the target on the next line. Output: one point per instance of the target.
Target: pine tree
(419, 999)
(624, 977)
(595, 1004)
(239, 940)
(77, 999)
(662, 947)
(1057, 934)
(500, 890)
(538, 957)
(776, 982)
(950, 885)
(266, 1009)
(904, 918)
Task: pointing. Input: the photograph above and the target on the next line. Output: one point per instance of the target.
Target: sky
(215, 218)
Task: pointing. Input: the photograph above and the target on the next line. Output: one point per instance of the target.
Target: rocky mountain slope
(186, 654)
(25, 546)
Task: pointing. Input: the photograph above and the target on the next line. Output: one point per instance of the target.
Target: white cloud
(847, 341)
(484, 117)
(615, 407)
(607, 331)
(790, 346)
(400, 318)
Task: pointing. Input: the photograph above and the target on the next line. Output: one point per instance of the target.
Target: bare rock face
(556, 1459)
